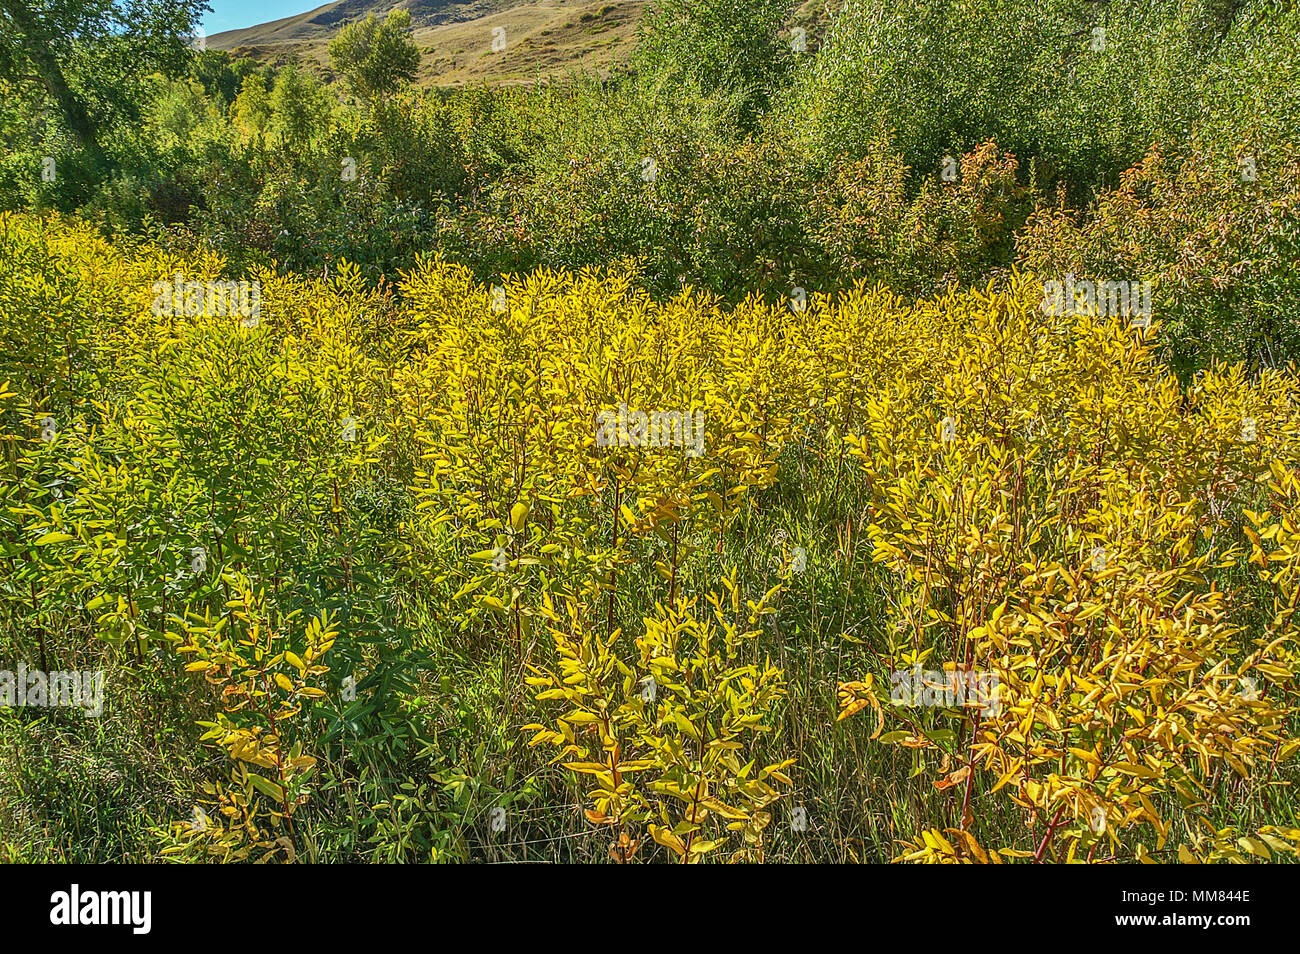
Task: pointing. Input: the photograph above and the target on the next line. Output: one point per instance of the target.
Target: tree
(221, 74)
(300, 107)
(723, 46)
(1081, 88)
(91, 57)
(251, 111)
(376, 56)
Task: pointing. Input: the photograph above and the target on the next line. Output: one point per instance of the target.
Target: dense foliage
(919, 143)
(600, 454)
(383, 536)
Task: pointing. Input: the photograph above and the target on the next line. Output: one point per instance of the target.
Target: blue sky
(236, 14)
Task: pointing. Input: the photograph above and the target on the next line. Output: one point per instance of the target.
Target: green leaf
(54, 536)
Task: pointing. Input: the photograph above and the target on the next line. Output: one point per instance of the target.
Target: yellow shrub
(1050, 509)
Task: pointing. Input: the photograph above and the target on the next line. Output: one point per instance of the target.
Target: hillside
(543, 39)
(455, 39)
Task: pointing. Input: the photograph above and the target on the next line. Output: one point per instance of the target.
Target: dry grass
(542, 40)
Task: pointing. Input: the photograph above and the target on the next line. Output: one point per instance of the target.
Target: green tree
(300, 108)
(91, 58)
(728, 47)
(1084, 88)
(221, 74)
(251, 110)
(376, 56)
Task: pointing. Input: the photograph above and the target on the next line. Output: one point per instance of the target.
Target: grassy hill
(543, 39)
(455, 39)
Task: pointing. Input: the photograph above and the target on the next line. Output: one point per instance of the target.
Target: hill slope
(456, 38)
(542, 37)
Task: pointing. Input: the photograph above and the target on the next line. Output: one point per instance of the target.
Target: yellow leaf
(518, 514)
(665, 837)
